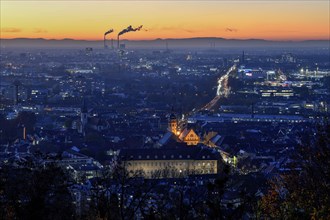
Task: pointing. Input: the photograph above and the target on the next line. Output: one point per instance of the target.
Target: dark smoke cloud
(231, 30)
(153, 28)
(11, 30)
(108, 32)
(129, 29)
(146, 29)
(39, 30)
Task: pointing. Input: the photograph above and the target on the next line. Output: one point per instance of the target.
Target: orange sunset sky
(262, 19)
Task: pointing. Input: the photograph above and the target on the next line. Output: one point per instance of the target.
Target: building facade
(171, 163)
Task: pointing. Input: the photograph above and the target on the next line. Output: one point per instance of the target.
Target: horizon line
(183, 38)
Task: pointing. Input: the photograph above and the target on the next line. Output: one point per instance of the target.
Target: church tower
(173, 123)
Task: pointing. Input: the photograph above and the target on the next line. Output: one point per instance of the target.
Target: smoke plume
(108, 32)
(129, 29)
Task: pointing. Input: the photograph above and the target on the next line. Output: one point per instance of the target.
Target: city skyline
(164, 109)
(86, 20)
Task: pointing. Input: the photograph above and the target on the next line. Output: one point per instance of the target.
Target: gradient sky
(262, 19)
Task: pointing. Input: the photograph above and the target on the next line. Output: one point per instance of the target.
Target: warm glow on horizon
(272, 20)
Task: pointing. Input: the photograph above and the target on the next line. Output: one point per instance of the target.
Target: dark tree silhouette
(304, 192)
(35, 193)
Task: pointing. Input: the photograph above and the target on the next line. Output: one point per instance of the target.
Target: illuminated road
(222, 90)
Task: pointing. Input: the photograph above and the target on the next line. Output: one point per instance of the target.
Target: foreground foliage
(304, 192)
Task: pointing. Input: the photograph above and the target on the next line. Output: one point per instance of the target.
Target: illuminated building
(189, 137)
(277, 93)
(245, 73)
(170, 163)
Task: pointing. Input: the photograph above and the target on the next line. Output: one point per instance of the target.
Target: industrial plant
(122, 32)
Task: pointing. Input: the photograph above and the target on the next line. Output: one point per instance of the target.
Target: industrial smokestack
(128, 29)
(105, 34)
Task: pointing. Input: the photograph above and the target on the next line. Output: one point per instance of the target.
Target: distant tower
(17, 84)
(252, 110)
(16, 94)
(83, 116)
(173, 123)
(21, 131)
(243, 57)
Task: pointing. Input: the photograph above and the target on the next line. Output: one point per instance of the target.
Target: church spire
(173, 122)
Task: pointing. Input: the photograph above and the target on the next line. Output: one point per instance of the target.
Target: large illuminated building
(171, 163)
(177, 156)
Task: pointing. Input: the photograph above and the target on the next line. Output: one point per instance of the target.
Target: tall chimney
(24, 132)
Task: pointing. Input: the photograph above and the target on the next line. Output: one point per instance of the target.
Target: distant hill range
(197, 43)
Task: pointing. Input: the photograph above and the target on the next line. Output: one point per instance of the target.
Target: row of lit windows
(172, 157)
(172, 163)
(176, 172)
(268, 120)
(164, 156)
(266, 94)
